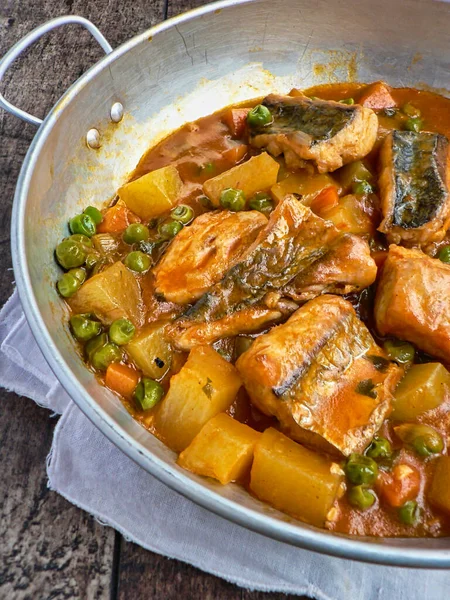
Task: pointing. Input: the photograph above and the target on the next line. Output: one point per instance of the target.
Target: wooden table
(49, 548)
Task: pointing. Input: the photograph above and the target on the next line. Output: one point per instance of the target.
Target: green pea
(422, 438)
(83, 224)
(68, 284)
(426, 445)
(91, 261)
(148, 393)
(121, 331)
(232, 199)
(94, 213)
(182, 213)
(410, 110)
(402, 352)
(444, 254)
(361, 497)
(362, 187)
(138, 261)
(414, 124)
(105, 355)
(347, 101)
(136, 232)
(81, 239)
(259, 116)
(169, 229)
(79, 273)
(409, 513)
(70, 254)
(361, 470)
(84, 328)
(379, 448)
(95, 344)
(262, 202)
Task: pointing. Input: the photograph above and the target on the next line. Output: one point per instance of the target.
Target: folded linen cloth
(79, 468)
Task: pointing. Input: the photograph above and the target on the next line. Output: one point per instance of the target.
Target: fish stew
(269, 294)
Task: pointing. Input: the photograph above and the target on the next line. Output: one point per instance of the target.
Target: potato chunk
(112, 294)
(153, 193)
(201, 253)
(323, 376)
(304, 184)
(349, 216)
(413, 301)
(423, 388)
(439, 494)
(293, 479)
(255, 175)
(206, 385)
(223, 449)
(151, 351)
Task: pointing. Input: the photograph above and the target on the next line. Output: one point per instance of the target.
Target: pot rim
(374, 550)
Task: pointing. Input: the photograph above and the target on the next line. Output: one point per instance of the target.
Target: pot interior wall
(186, 71)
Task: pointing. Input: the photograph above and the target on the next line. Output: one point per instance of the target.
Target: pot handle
(28, 40)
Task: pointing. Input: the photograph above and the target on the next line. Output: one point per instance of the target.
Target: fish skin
(288, 244)
(319, 119)
(320, 133)
(292, 241)
(414, 186)
(308, 371)
(346, 268)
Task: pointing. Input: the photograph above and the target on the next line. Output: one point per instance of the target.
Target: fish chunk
(347, 267)
(414, 187)
(293, 239)
(247, 320)
(327, 133)
(201, 253)
(323, 376)
(413, 300)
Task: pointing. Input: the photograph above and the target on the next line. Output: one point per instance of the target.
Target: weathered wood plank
(176, 7)
(49, 548)
(144, 574)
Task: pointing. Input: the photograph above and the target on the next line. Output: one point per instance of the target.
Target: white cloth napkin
(93, 474)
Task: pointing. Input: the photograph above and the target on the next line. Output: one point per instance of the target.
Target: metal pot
(178, 71)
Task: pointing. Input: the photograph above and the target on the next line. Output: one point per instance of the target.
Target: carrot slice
(236, 119)
(117, 218)
(121, 379)
(377, 96)
(325, 200)
(236, 153)
(401, 485)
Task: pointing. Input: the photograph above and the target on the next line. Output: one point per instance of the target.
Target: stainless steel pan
(178, 71)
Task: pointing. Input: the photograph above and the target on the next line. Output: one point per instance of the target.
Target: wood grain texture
(49, 548)
(145, 574)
